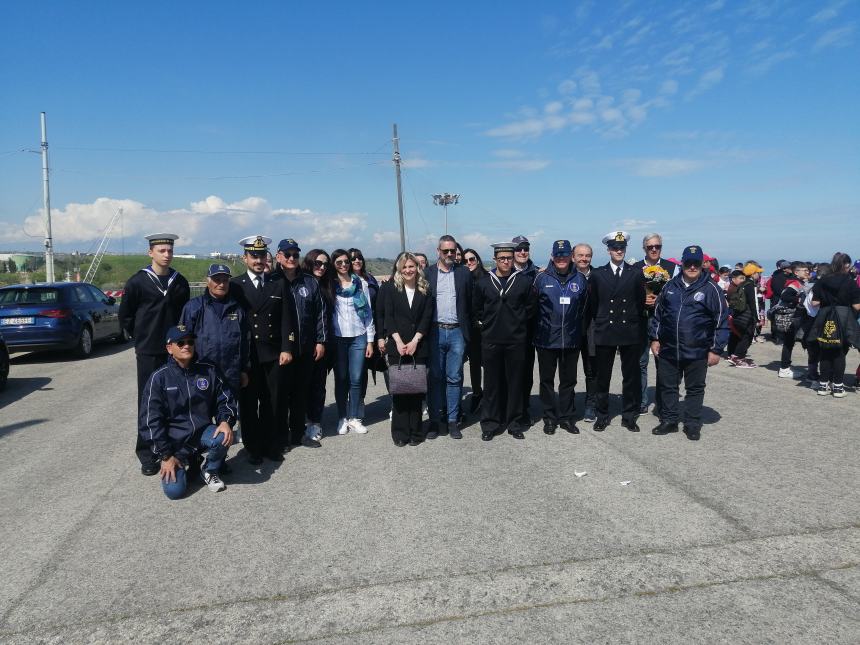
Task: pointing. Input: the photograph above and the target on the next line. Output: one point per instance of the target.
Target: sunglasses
(653, 247)
(358, 259)
(319, 264)
(471, 259)
(505, 258)
(341, 263)
(692, 263)
(290, 256)
(448, 251)
(521, 249)
(184, 343)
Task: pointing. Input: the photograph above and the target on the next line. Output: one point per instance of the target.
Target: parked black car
(58, 315)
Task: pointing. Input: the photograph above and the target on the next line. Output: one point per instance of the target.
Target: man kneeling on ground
(176, 412)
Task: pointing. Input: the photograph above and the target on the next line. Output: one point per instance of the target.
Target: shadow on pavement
(106, 348)
(245, 473)
(20, 425)
(17, 388)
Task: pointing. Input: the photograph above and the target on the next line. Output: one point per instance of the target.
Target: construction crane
(100, 252)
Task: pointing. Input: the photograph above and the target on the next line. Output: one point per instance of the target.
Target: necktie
(259, 280)
(617, 272)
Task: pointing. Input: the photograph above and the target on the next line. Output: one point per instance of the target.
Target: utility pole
(46, 195)
(446, 200)
(396, 141)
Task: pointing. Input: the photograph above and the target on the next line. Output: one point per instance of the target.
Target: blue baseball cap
(288, 244)
(178, 332)
(693, 253)
(560, 248)
(215, 269)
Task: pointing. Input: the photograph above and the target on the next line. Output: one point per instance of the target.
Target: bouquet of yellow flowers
(655, 277)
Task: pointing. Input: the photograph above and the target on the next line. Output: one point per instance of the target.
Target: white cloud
(828, 13)
(763, 66)
(581, 105)
(582, 118)
(524, 165)
(508, 153)
(840, 37)
(707, 80)
(478, 241)
(669, 87)
(519, 129)
(209, 224)
(664, 167)
(553, 107)
(635, 224)
(567, 87)
(386, 237)
(416, 162)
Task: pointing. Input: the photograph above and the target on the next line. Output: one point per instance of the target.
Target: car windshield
(38, 296)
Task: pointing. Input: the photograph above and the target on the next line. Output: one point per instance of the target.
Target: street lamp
(446, 199)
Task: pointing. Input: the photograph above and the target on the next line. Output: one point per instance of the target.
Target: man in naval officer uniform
(151, 304)
(618, 306)
(271, 311)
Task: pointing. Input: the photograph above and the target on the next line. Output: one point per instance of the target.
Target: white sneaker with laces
(357, 426)
(785, 372)
(342, 426)
(823, 388)
(213, 481)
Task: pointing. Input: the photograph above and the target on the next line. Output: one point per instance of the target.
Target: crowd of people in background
(256, 348)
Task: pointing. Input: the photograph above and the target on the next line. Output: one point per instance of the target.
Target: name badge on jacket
(564, 300)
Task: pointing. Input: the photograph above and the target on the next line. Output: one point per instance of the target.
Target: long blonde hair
(420, 281)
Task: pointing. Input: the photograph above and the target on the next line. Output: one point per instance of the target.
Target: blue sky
(732, 125)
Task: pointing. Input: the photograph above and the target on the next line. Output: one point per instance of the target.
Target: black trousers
(146, 365)
(262, 427)
(406, 417)
(694, 373)
(475, 362)
(294, 392)
(831, 365)
(739, 345)
(563, 408)
(788, 343)
(631, 379)
(528, 378)
(590, 373)
(502, 405)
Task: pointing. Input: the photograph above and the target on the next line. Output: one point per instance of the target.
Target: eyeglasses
(471, 259)
(653, 247)
(291, 256)
(183, 343)
(319, 264)
(504, 258)
(521, 249)
(692, 263)
(341, 263)
(448, 251)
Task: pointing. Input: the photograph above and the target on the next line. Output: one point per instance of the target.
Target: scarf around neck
(359, 300)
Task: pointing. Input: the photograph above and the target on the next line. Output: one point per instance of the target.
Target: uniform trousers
(406, 417)
(631, 384)
(528, 380)
(562, 408)
(294, 392)
(475, 362)
(146, 365)
(262, 428)
(694, 373)
(502, 405)
(590, 373)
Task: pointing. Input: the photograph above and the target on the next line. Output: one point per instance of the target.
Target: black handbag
(407, 379)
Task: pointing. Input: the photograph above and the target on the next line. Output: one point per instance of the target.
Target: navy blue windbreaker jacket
(560, 306)
(178, 404)
(690, 321)
(222, 335)
(311, 312)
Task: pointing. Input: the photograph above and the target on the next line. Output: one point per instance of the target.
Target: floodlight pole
(446, 199)
(46, 196)
(396, 160)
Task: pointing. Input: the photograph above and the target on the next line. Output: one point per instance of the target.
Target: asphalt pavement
(751, 535)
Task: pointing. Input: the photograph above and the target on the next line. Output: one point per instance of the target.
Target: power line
(217, 152)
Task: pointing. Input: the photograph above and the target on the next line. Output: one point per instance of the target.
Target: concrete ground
(751, 535)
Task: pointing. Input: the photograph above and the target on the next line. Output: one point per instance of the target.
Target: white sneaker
(823, 388)
(357, 426)
(342, 426)
(212, 481)
(785, 372)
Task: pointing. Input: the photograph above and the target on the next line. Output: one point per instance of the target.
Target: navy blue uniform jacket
(222, 335)
(178, 404)
(559, 325)
(147, 310)
(690, 321)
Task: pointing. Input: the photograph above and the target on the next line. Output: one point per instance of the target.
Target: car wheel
(4, 368)
(85, 343)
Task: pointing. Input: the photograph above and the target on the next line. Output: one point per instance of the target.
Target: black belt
(448, 325)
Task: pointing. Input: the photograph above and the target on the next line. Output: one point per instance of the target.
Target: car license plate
(17, 321)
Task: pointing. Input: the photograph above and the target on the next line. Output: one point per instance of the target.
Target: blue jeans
(215, 451)
(348, 372)
(447, 348)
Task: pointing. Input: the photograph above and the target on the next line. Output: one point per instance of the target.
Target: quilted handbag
(408, 378)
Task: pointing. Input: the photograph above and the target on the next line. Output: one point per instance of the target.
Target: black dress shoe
(150, 469)
(311, 443)
(255, 459)
(601, 424)
(399, 443)
(693, 434)
(487, 436)
(415, 442)
(665, 428)
(630, 425)
(274, 455)
(549, 427)
(432, 435)
(570, 427)
(516, 434)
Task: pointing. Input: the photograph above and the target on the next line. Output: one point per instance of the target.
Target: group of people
(257, 347)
